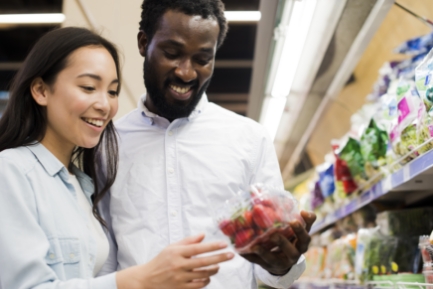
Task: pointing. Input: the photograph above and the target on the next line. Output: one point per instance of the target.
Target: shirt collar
(152, 117)
(85, 181)
(50, 163)
(53, 166)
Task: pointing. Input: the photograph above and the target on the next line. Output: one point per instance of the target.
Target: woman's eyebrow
(97, 77)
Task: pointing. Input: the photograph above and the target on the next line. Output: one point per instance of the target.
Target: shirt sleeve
(266, 170)
(23, 243)
(281, 282)
(110, 264)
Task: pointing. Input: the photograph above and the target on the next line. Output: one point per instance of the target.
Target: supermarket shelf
(416, 176)
(351, 284)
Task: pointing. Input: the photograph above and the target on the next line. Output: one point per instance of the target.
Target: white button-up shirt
(172, 177)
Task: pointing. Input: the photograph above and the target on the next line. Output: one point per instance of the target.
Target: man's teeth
(95, 122)
(179, 89)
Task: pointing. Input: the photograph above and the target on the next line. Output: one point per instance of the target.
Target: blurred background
(302, 68)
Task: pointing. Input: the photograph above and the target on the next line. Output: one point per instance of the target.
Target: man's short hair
(152, 11)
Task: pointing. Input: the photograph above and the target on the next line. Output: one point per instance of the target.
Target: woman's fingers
(200, 262)
(196, 284)
(191, 240)
(197, 249)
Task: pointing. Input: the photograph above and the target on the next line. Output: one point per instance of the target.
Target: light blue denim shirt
(45, 238)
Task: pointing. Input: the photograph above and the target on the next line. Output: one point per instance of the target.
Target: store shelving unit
(347, 284)
(409, 184)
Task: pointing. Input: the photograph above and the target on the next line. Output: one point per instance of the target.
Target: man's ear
(39, 90)
(142, 42)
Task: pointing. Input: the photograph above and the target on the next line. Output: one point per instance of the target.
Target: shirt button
(72, 256)
(173, 213)
(170, 133)
(170, 170)
(52, 256)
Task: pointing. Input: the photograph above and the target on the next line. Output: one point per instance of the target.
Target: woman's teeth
(94, 122)
(180, 89)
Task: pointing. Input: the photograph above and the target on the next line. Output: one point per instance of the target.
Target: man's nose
(185, 71)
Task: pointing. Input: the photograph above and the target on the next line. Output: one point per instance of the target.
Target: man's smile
(180, 93)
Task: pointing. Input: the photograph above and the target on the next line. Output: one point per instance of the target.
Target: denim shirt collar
(53, 166)
(50, 163)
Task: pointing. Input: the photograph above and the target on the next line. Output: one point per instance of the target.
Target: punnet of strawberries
(252, 217)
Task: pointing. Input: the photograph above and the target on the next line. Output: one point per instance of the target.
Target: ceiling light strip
(47, 18)
(243, 16)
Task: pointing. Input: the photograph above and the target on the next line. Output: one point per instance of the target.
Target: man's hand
(280, 261)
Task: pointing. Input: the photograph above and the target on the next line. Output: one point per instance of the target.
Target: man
(181, 156)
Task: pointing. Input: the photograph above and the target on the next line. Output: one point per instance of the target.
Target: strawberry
(244, 237)
(228, 228)
(248, 217)
(264, 201)
(263, 217)
(244, 221)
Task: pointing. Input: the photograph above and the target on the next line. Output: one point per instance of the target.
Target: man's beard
(165, 109)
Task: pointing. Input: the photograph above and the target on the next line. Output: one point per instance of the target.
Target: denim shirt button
(52, 256)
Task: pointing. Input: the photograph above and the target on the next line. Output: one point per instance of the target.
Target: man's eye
(203, 61)
(170, 55)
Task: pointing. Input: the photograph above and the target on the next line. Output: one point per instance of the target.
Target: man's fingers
(195, 263)
(309, 218)
(197, 249)
(289, 250)
(303, 238)
(190, 240)
(256, 259)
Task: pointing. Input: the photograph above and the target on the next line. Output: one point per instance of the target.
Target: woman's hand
(174, 267)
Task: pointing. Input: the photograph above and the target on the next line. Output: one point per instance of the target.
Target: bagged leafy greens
(374, 144)
(351, 154)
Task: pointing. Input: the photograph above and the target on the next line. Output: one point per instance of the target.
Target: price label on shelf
(387, 184)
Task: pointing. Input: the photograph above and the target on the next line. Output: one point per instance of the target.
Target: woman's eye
(88, 88)
(113, 92)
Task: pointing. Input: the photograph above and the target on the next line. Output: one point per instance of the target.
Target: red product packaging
(252, 217)
(343, 178)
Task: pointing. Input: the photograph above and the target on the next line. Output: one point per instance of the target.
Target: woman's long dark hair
(24, 121)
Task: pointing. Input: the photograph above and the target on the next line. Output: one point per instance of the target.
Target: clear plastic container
(251, 217)
(428, 274)
(426, 248)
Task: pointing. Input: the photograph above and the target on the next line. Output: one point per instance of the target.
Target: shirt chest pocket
(64, 256)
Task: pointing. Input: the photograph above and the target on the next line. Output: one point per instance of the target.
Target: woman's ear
(39, 91)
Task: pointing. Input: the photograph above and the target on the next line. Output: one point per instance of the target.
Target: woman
(61, 106)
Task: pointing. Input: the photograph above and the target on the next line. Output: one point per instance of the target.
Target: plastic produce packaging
(426, 248)
(416, 45)
(407, 134)
(351, 154)
(251, 217)
(428, 274)
(424, 80)
(326, 179)
(408, 222)
(374, 144)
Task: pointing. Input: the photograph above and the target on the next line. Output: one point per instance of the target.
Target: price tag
(406, 173)
(387, 184)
